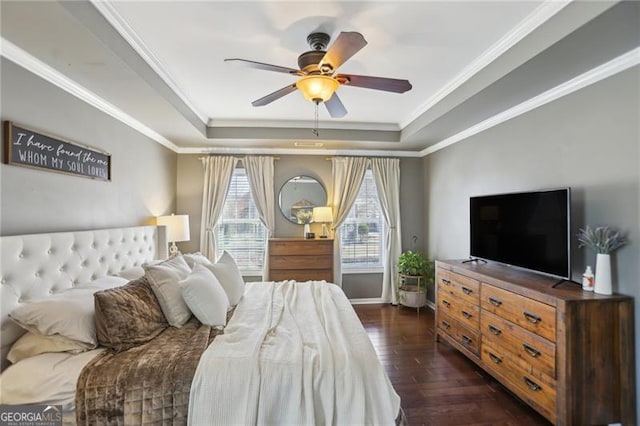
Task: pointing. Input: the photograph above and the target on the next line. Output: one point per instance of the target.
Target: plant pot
(412, 296)
(603, 274)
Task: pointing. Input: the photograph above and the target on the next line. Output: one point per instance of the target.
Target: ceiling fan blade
(335, 107)
(377, 83)
(275, 95)
(268, 67)
(346, 45)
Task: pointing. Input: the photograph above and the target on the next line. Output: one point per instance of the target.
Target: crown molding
(304, 124)
(539, 16)
(608, 69)
(44, 71)
(299, 151)
(109, 12)
(536, 18)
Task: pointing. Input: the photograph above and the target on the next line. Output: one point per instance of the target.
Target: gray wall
(189, 201)
(143, 172)
(588, 141)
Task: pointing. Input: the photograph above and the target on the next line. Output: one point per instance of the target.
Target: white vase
(603, 274)
(307, 229)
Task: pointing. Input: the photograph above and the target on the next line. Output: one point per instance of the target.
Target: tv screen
(527, 229)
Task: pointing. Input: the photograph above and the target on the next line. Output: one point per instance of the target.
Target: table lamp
(177, 230)
(323, 215)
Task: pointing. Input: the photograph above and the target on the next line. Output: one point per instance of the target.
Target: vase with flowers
(604, 240)
(304, 217)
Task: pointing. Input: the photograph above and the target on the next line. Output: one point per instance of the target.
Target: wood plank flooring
(437, 384)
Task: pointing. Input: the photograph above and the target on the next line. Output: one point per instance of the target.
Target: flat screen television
(526, 229)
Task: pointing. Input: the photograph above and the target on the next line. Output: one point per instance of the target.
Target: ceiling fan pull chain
(315, 129)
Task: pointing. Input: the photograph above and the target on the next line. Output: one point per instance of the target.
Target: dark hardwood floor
(437, 384)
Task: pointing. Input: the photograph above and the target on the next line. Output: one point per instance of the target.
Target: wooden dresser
(300, 259)
(568, 353)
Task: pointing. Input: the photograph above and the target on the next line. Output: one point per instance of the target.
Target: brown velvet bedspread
(147, 384)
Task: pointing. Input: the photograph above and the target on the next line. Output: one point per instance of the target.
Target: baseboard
(366, 301)
(375, 300)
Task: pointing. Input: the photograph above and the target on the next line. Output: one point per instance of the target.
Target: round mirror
(298, 196)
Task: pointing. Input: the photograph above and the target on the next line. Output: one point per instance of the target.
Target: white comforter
(293, 353)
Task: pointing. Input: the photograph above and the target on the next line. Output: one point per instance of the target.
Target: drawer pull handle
(445, 303)
(495, 358)
(531, 317)
(446, 324)
(532, 385)
(494, 301)
(446, 281)
(531, 351)
(467, 290)
(495, 330)
(467, 339)
(466, 314)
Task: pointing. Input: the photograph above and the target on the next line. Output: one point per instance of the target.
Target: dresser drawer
(311, 247)
(539, 391)
(461, 334)
(468, 338)
(530, 314)
(447, 324)
(300, 262)
(459, 286)
(533, 353)
(467, 313)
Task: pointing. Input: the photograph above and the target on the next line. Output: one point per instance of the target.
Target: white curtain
(260, 176)
(386, 172)
(218, 171)
(348, 174)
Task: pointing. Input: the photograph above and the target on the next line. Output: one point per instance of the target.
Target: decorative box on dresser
(566, 352)
(300, 259)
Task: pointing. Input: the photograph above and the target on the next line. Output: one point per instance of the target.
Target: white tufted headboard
(37, 265)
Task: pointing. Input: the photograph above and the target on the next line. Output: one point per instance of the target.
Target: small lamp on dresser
(177, 230)
(323, 215)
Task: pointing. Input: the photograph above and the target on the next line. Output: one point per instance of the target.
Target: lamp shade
(322, 214)
(317, 87)
(177, 227)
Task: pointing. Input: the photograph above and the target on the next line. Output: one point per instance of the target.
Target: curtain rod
(239, 158)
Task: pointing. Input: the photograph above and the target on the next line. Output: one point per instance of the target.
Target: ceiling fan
(319, 81)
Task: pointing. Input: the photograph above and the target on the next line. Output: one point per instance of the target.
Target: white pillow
(229, 276)
(196, 258)
(68, 314)
(164, 278)
(132, 273)
(32, 344)
(43, 379)
(205, 296)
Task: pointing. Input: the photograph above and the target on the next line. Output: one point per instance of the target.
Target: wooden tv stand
(566, 352)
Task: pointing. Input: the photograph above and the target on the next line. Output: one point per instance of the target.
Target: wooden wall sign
(28, 148)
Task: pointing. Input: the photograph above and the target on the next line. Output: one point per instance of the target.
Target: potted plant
(603, 240)
(415, 271)
(305, 217)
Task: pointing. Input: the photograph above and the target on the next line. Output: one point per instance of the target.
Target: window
(240, 231)
(362, 233)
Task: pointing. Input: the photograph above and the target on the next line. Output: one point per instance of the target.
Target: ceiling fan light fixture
(317, 87)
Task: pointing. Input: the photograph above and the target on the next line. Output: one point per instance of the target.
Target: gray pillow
(164, 278)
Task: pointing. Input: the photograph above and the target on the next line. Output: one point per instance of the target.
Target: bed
(317, 365)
